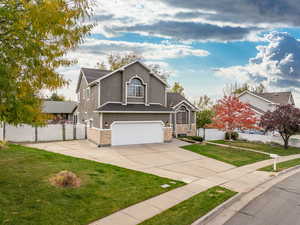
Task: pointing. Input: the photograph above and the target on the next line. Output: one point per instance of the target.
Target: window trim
(136, 86)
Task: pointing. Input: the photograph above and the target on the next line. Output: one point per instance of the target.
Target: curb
(216, 211)
(219, 209)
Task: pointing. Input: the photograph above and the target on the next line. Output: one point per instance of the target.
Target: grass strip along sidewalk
(27, 197)
(268, 148)
(192, 209)
(282, 166)
(232, 156)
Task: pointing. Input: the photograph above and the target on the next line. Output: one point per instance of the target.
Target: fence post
(4, 133)
(36, 133)
(85, 131)
(74, 131)
(64, 131)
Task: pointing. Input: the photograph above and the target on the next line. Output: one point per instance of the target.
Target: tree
(237, 89)
(285, 120)
(204, 118)
(177, 88)
(116, 61)
(56, 97)
(35, 36)
(231, 114)
(204, 102)
(159, 71)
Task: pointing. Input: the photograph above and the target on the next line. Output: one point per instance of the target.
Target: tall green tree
(177, 88)
(35, 36)
(56, 97)
(204, 118)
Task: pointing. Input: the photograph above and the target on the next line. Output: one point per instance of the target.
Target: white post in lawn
(274, 156)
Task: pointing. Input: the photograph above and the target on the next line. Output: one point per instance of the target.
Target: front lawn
(190, 210)
(273, 149)
(27, 197)
(282, 166)
(232, 156)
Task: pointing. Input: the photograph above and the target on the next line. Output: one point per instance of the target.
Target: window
(88, 93)
(182, 116)
(135, 88)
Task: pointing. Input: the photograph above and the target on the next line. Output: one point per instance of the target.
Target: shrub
(65, 179)
(234, 135)
(196, 138)
(3, 144)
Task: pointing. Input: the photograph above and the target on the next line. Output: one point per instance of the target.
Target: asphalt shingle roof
(59, 107)
(175, 98)
(133, 107)
(94, 74)
(276, 97)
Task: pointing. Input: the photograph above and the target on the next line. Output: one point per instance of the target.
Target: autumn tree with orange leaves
(231, 114)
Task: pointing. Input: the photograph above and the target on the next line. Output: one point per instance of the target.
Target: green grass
(273, 149)
(190, 210)
(27, 198)
(282, 166)
(232, 156)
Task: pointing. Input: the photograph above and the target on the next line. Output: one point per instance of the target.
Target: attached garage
(136, 132)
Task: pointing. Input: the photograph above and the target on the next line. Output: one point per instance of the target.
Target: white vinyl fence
(211, 134)
(215, 134)
(51, 132)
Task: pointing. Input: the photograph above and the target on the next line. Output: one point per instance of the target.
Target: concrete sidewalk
(242, 179)
(239, 179)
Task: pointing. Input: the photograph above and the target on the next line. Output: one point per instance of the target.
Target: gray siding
(157, 92)
(111, 117)
(111, 88)
(192, 113)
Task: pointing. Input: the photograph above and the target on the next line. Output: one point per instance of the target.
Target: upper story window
(135, 88)
(88, 93)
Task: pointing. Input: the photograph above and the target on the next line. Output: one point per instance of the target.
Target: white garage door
(126, 133)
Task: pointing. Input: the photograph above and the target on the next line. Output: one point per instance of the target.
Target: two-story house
(260, 103)
(131, 105)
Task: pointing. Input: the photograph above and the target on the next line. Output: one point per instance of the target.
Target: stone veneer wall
(105, 137)
(93, 135)
(185, 129)
(168, 134)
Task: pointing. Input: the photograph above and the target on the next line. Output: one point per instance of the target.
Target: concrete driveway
(165, 160)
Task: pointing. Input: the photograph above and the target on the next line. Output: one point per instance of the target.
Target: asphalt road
(280, 205)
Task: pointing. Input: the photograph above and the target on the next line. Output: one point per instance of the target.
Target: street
(280, 205)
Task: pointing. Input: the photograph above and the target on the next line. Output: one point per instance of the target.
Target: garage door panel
(126, 133)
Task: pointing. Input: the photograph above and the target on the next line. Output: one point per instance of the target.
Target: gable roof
(174, 99)
(94, 74)
(124, 67)
(59, 107)
(276, 97)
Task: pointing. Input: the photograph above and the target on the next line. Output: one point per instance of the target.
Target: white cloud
(150, 51)
(276, 65)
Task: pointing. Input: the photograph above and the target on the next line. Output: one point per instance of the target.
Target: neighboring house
(131, 106)
(61, 111)
(263, 102)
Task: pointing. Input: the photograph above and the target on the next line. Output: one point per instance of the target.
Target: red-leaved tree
(285, 120)
(231, 114)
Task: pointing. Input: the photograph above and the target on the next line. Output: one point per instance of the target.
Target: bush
(196, 138)
(3, 145)
(234, 135)
(65, 179)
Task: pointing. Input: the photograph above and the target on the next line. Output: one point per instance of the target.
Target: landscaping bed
(28, 197)
(282, 166)
(269, 148)
(229, 155)
(186, 212)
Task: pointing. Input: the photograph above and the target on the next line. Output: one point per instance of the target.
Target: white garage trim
(136, 132)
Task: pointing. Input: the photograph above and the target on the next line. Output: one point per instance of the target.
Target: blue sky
(204, 45)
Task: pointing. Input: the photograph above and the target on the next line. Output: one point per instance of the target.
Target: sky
(204, 45)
